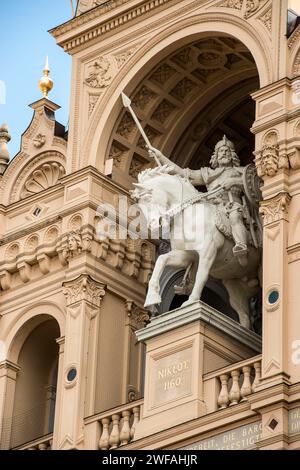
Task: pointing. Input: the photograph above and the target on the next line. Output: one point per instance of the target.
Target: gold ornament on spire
(45, 83)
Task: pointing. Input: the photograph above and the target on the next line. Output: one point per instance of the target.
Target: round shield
(252, 184)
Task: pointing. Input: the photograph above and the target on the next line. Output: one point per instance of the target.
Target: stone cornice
(199, 311)
(9, 365)
(31, 200)
(79, 30)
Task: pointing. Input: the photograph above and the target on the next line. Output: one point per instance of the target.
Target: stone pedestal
(182, 346)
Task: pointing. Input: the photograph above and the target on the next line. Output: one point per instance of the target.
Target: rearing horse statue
(199, 237)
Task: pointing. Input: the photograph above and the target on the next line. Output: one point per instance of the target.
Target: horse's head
(152, 191)
(151, 187)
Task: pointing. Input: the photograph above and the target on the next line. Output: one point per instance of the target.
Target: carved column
(83, 298)
(275, 295)
(136, 318)
(8, 377)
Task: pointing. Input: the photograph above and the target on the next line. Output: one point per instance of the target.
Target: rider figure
(226, 173)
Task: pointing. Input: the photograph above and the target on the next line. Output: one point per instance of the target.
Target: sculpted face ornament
(269, 160)
(74, 243)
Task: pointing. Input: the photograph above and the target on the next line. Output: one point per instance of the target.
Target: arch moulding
(27, 320)
(156, 49)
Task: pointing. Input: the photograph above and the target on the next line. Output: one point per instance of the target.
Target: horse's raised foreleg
(206, 259)
(175, 258)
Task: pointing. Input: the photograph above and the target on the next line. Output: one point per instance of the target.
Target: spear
(127, 104)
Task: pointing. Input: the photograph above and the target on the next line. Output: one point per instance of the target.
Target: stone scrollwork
(84, 288)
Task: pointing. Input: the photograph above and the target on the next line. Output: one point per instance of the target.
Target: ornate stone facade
(71, 315)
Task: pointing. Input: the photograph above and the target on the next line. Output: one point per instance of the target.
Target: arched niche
(246, 69)
(33, 348)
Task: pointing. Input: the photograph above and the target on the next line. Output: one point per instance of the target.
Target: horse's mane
(157, 171)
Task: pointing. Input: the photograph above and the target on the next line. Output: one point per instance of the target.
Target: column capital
(136, 316)
(276, 208)
(84, 288)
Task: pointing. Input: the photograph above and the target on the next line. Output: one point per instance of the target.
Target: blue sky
(25, 43)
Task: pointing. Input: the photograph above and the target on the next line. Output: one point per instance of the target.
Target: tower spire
(4, 154)
(46, 83)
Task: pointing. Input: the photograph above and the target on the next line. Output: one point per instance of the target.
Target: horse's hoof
(152, 298)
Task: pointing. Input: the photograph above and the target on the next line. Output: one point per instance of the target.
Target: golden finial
(45, 83)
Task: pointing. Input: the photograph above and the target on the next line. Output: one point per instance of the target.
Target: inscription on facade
(241, 438)
(294, 421)
(173, 376)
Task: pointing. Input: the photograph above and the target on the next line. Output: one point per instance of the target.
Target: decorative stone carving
(266, 19)
(251, 7)
(143, 97)
(151, 134)
(276, 208)
(99, 73)
(93, 99)
(269, 160)
(73, 245)
(124, 56)
(138, 316)
(39, 140)
(136, 167)
(163, 111)
(75, 222)
(294, 38)
(32, 243)
(117, 153)
(296, 65)
(36, 163)
(163, 73)
(133, 393)
(183, 88)
(85, 5)
(237, 4)
(5, 280)
(126, 126)
(84, 288)
(51, 235)
(184, 57)
(42, 178)
(12, 251)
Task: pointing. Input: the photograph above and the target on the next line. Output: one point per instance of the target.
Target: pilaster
(136, 318)
(83, 298)
(8, 377)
